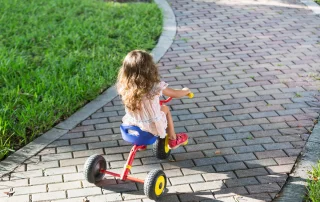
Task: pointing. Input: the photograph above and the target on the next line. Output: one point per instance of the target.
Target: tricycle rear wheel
(155, 184)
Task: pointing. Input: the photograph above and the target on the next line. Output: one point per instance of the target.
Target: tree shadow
(188, 182)
(184, 192)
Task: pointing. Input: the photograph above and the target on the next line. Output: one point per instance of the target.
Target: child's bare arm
(175, 93)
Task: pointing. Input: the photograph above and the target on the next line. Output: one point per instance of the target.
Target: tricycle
(155, 183)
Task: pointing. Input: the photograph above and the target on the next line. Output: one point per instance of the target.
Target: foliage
(314, 184)
(56, 55)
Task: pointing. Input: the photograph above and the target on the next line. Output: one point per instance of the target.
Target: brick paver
(251, 65)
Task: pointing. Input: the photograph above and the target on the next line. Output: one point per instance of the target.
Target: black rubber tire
(150, 183)
(159, 149)
(92, 167)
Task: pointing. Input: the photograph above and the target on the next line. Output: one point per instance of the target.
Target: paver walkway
(252, 66)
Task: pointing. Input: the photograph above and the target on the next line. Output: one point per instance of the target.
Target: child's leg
(170, 128)
(175, 140)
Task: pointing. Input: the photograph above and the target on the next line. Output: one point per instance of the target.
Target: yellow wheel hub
(166, 146)
(160, 183)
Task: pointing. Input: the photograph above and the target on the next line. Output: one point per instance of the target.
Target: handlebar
(190, 95)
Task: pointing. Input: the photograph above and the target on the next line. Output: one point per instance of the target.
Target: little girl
(140, 87)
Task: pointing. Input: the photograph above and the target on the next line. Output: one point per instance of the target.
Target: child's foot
(182, 139)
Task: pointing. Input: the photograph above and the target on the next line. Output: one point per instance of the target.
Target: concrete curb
(168, 33)
(31, 149)
(312, 6)
(295, 188)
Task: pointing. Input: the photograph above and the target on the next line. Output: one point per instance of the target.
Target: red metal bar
(165, 101)
(110, 173)
(118, 175)
(135, 179)
(128, 165)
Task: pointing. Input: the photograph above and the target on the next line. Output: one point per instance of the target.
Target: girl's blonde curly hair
(137, 77)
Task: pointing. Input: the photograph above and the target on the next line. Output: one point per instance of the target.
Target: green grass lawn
(56, 55)
(314, 184)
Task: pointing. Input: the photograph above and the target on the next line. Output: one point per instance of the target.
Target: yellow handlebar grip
(190, 95)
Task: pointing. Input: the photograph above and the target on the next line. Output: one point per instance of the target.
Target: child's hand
(176, 93)
(187, 90)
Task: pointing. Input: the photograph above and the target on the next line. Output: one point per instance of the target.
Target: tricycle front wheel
(92, 168)
(161, 148)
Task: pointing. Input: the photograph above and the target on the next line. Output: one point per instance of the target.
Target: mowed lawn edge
(57, 55)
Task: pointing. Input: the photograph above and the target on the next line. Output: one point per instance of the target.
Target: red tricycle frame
(155, 183)
(128, 165)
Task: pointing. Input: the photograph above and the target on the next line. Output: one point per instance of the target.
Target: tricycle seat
(136, 136)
